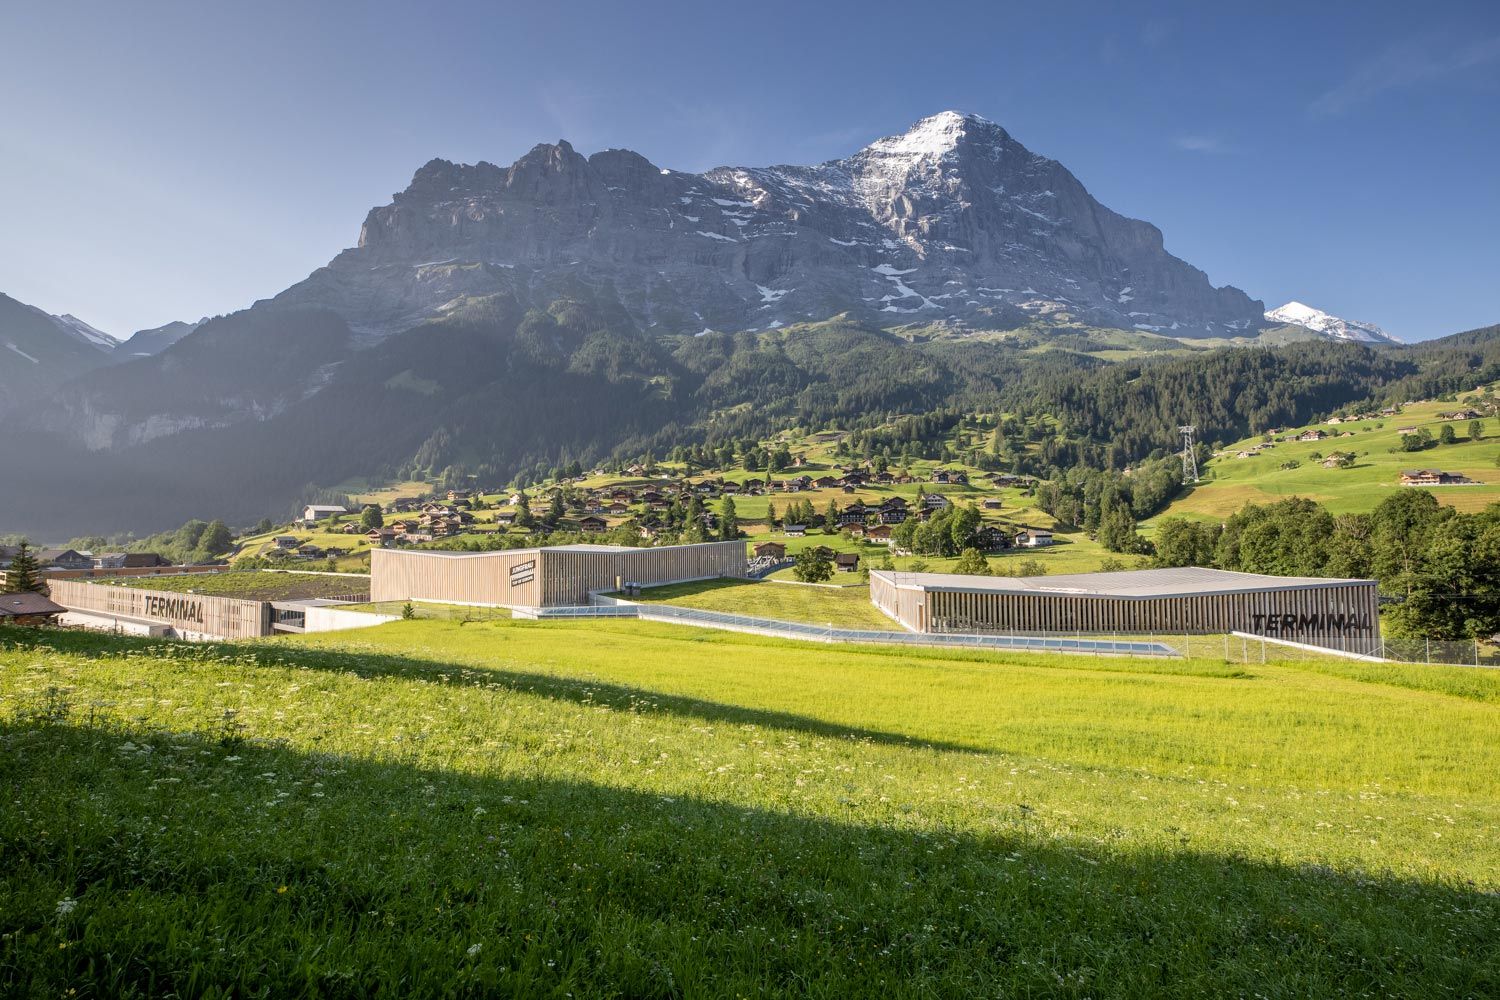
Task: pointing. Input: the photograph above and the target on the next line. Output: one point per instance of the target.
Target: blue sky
(166, 160)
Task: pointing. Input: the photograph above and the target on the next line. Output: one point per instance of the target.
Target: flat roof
(488, 553)
(1186, 581)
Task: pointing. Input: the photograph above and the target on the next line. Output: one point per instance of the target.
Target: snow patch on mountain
(1329, 325)
(92, 334)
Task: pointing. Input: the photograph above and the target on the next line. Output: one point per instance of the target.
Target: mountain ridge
(952, 220)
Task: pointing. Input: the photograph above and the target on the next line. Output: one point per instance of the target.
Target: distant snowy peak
(92, 334)
(1331, 326)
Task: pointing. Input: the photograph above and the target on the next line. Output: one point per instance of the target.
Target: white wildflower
(66, 906)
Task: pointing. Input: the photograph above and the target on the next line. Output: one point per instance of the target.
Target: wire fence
(1226, 647)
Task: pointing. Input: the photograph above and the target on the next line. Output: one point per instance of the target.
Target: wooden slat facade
(188, 614)
(1340, 615)
(542, 578)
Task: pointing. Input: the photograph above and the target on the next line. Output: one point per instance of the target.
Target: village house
(934, 501)
(846, 562)
(795, 530)
(881, 534)
(991, 538)
(128, 561)
(855, 513)
(992, 503)
(1433, 477)
(64, 559)
(770, 550)
(1033, 538)
(1460, 415)
(384, 536)
(1312, 435)
(454, 495)
(592, 525)
(827, 482)
(317, 512)
(286, 541)
(29, 608)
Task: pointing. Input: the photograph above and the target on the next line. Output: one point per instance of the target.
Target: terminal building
(176, 615)
(1338, 614)
(558, 576)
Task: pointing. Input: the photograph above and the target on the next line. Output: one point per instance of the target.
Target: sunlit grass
(626, 808)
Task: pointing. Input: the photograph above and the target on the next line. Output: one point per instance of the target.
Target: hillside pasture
(1231, 482)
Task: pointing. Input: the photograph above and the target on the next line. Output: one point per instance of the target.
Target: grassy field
(840, 606)
(626, 809)
(253, 585)
(1232, 482)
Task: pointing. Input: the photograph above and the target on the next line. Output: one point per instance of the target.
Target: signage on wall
(523, 573)
(1314, 624)
(183, 609)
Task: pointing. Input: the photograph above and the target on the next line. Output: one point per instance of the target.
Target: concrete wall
(337, 620)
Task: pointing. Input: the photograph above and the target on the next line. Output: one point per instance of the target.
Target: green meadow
(449, 808)
(253, 585)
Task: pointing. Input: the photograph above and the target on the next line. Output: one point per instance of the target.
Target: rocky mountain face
(953, 222)
(38, 351)
(1328, 325)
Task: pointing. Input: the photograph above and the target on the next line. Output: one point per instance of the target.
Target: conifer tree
(24, 573)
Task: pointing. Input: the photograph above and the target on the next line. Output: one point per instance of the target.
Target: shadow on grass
(143, 863)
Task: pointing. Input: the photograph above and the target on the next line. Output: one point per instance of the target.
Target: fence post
(1429, 652)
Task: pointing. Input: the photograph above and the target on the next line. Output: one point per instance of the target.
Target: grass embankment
(619, 808)
(841, 606)
(253, 585)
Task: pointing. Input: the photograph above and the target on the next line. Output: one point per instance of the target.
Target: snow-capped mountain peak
(933, 136)
(1329, 325)
(90, 333)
